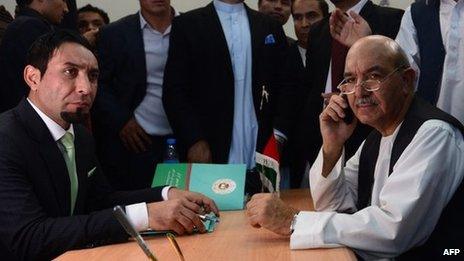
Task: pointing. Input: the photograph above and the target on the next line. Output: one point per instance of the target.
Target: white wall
(119, 8)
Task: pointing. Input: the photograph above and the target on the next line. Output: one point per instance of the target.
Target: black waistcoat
(448, 232)
(426, 19)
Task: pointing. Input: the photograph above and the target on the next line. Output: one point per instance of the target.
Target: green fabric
(69, 156)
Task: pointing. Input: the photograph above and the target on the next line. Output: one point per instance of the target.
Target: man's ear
(409, 77)
(32, 77)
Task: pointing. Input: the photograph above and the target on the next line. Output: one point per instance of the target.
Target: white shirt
(356, 8)
(137, 213)
(405, 206)
(302, 54)
(150, 113)
(451, 98)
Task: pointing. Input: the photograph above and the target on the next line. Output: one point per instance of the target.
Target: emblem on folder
(224, 186)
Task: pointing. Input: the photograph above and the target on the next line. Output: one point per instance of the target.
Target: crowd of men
(366, 107)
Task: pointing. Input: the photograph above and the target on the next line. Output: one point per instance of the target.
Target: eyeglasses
(372, 84)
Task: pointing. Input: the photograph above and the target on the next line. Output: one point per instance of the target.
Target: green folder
(224, 183)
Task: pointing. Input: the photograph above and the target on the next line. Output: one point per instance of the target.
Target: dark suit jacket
(382, 20)
(198, 92)
(35, 192)
(18, 38)
(123, 78)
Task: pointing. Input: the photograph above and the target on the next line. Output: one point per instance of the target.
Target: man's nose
(83, 85)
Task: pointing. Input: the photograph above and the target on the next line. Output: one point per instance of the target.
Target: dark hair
(93, 9)
(322, 5)
(43, 48)
(23, 3)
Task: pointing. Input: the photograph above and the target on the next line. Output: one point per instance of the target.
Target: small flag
(267, 164)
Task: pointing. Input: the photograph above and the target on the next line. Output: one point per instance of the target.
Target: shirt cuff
(164, 192)
(309, 230)
(138, 215)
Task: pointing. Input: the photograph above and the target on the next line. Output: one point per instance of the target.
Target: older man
(400, 194)
(325, 63)
(54, 195)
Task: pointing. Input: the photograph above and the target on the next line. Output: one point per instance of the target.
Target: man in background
(5, 19)
(305, 13)
(131, 126)
(34, 18)
(89, 21)
(228, 87)
(278, 10)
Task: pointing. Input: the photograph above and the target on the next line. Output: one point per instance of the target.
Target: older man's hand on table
(269, 211)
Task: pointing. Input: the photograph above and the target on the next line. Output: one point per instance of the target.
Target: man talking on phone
(400, 195)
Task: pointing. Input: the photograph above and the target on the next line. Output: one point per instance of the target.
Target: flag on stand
(267, 164)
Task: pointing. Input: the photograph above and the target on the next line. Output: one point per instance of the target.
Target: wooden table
(233, 239)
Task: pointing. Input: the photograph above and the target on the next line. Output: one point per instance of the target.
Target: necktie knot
(67, 140)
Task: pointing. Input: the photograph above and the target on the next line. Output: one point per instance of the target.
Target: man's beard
(74, 117)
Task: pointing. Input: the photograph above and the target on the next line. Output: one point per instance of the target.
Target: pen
(127, 225)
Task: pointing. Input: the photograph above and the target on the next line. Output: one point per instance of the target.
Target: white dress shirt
(137, 213)
(150, 113)
(451, 98)
(405, 206)
(302, 54)
(356, 8)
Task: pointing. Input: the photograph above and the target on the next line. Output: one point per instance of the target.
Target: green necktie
(69, 156)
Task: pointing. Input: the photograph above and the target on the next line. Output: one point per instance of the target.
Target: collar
(357, 7)
(55, 129)
(144, 23)
(228, 8)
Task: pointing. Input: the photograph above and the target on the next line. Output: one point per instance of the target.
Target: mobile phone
(349, 115)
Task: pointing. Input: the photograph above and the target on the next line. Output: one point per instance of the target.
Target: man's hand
(176, 214)
(348, 30)
(91, 36)
(269, 211)
(327, 96)
(134, 137)
(199, 153)
(334, 131)
(206, 205)
(180, 212)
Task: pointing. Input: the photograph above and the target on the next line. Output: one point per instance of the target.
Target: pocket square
(269, 39)
(91, 172)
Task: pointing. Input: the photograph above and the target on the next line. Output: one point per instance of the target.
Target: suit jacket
(198, 91)
(382, 20)
(123, 78)
(35, 192)
(18, 38)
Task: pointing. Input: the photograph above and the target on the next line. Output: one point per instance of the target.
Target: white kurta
(405, 206)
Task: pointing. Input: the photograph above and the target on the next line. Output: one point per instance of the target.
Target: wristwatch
(293, 224)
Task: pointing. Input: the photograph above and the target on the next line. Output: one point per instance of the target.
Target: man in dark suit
(226, 78)
(34, 19)
(324, 66)
(131, 126)
(53, 193)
